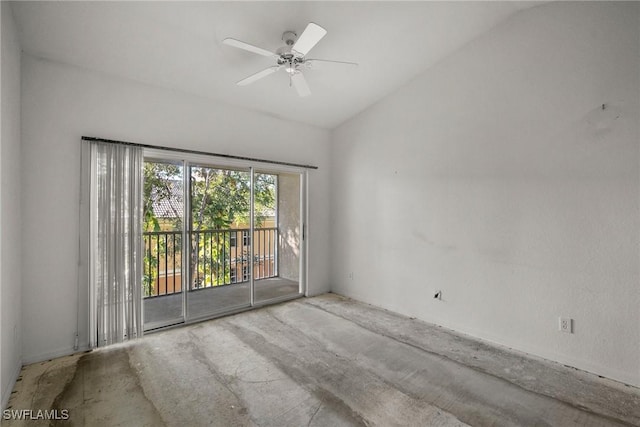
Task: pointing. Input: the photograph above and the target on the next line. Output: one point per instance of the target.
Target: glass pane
(219, 241)
(277, 235)
(162, 239)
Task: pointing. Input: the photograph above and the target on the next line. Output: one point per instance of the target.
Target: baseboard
(6, 393)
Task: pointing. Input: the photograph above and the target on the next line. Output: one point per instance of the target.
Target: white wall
(497, 178)
(10, 213)
(62, 103)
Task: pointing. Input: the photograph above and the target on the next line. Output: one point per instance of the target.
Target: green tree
(162, 185)
(219, 199)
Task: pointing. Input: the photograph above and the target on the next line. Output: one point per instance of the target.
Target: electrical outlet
(565, 325)
(351, 275)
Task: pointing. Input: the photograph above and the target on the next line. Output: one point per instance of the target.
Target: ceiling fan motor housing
(288, 58)
(290, 62)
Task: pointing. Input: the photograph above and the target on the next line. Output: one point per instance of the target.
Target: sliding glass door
(219, 238)
(220, 244)
(278, 236)
(163, 240)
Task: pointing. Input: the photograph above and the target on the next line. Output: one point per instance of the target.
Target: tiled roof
(171, 207)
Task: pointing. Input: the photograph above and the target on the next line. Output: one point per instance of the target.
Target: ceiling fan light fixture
(291, 68)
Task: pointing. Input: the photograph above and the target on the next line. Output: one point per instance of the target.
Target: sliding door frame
(191, 159)
(303, 210)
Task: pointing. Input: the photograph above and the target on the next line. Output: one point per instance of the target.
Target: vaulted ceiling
(178, 45)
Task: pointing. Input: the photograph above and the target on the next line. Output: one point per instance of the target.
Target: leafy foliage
(220, 199)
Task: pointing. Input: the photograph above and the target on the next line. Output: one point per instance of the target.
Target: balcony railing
(216, 258)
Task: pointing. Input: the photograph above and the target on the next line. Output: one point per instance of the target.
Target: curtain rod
(183, 150)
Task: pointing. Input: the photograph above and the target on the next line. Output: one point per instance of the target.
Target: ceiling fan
(291, 57)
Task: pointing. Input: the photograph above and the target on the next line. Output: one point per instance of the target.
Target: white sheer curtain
(115, 247)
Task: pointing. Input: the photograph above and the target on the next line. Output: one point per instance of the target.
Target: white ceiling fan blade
(257, 76)
(247, 46)
(355, 64)
(300, 83)
(309, 37)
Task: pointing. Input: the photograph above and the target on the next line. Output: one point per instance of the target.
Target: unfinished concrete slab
(323, 361)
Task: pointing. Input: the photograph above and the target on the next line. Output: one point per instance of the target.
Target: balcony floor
(208, 301)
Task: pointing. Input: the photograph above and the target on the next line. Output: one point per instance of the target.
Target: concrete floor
(323, 361)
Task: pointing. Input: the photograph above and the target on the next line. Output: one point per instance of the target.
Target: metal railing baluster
(212, 262)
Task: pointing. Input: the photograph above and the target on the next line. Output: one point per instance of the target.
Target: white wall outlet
(351, 275)
(565, 325)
